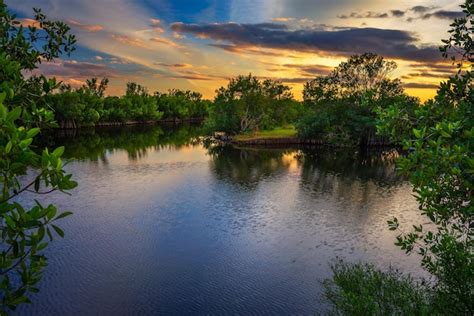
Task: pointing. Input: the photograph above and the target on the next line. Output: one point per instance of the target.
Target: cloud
(424, 74)
(421, 9)
(442, 14)
(165, 41)
(178, 36)
(446, 67)
(127, 40)
(74, 69)
(310, 70)
(174, 65)
(417, 85)
(287, 80)
(28, 22)
(86, 27)
(252, 51)
(397, 13)
(396, 44)
(193, 75)
(282, 19)
(366, 15)
(155, 22)
(156, 25)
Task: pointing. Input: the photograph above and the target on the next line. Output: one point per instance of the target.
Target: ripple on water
(181, 232)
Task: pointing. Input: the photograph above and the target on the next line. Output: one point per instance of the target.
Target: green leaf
(42, 246)
(14, 114)
(58, 230)
(417, 133)
(33, 132)
(8, 147)
(25, 143)
(3, 112)
(62, 215)
(58, 151)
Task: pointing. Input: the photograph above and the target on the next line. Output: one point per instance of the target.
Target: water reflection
(165, 225)
(95, 144)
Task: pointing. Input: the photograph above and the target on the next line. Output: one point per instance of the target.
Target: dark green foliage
(26, 231)
(93, 144)
(362, 289)
(248, 104)
(182, 105)
(441, 169)
(439, 137)
(342, 106)
(87, 105)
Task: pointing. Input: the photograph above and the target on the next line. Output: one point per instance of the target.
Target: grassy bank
(280, 132)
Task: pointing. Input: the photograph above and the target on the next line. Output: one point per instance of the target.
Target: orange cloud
(282, 19)
(165, 41)
(28, 22)
(156, 25)
(130, 41)
(86, 27)
(174, 65)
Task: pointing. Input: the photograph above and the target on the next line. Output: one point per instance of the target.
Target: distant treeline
(88, 105)
(341, 108)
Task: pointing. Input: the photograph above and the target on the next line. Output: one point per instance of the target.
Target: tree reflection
(320, 167)
(247, 166)
(94, 144)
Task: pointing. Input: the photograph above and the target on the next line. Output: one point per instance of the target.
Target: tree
(96, 88)
(248, 104)
(23, 230)
(441, 170)
(440, 167)
(342, 106)
(360, 75)
(134, 89)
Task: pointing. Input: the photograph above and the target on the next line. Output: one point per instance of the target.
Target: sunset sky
(198, 45)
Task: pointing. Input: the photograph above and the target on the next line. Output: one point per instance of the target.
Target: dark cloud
(442, 14)
(75, 69)
(444, 68)
(416, 85)
(252, 51)
(389, 43)
(366, 15)
(397, 13)
(421, 9)
(425, 74)
(373, 15)
(288, 80)
(310, 70)
(194, 75)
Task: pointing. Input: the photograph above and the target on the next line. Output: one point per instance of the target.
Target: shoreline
(72, 125)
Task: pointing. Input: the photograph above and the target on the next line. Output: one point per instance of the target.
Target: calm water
(163, 225)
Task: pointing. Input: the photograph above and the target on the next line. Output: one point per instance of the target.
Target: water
(163, 225)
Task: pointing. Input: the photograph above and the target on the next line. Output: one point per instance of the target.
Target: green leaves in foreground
(361, 289)
(25, 232)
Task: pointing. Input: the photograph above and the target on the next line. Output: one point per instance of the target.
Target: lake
(163, 224)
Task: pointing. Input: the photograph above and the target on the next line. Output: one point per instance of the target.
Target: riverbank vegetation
(440, 167)
(348, 106)
(342, 106)
(287, 131)
(88, 105)
(27, 227)
(248, 104)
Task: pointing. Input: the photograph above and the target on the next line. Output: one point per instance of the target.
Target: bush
(362, 289)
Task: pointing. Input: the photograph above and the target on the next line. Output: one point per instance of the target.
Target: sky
(198, 45)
